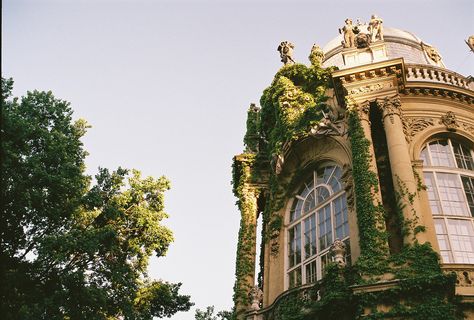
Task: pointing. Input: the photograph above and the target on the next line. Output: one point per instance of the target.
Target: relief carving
(256, 295)
(468, 127)
(450, 121)
(371, 88)
(413, 126)
(330, 125)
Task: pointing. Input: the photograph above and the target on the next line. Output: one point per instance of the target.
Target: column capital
(390, 106)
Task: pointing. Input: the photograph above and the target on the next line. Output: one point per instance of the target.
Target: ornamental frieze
(450, 121)
(371, 88)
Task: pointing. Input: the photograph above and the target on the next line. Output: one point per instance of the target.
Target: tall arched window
(318, 217)
(449, 176)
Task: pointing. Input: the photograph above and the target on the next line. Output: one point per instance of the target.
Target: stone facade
(408, 100)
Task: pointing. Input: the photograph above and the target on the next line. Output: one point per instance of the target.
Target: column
(405, 184)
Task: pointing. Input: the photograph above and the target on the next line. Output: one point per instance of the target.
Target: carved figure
(375, 28)
(470, 42)
(316, 56)
(256, 296)
(362, 40)
(433, 54)
(286, 52)
(349, 34)
(330, 125)
(338, 249)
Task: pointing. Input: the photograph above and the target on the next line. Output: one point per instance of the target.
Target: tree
(69, 250)
(208, 314)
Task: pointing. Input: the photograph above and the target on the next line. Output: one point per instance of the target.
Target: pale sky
(166, 86)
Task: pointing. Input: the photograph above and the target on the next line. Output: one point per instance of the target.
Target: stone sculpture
(256, 296)
(433, 54)
(349, 35)
(470, 42)
(286, 52)
(375, 28)
(316, 56)
(338, 249)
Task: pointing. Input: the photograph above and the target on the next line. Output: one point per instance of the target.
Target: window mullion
(438, 195)
(451, 249)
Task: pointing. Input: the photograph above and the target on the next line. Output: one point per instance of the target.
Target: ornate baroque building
(362, 169)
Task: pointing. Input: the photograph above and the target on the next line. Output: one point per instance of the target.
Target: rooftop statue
(286, 52)
(316, 56)
(375, 28)
(470, 42)
(349, 34)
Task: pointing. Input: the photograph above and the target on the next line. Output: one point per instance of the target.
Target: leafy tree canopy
(69, 250)
(208, 314)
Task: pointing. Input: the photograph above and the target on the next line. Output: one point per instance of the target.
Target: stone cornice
(369, 81)
(439, 90)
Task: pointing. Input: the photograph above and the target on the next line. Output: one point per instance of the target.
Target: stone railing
(426, 73)
(464, 274)
(306, 292)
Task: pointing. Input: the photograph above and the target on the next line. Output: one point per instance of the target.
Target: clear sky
(166, 86)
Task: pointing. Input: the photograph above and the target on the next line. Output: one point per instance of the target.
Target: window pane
(461, 234)
(463, 156)
(424, 157)
(294, 278)
(451, 194)
(441, 154)
(309, 203)
(310, 270)
(322, 194)
(468, 184)
(442, 236)
(435, 204)
(310, 236)
(340, 217)
(324, 227)
(294, 245)
(296, 212)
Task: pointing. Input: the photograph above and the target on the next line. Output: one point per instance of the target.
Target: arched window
(318, 217)
(449, 177)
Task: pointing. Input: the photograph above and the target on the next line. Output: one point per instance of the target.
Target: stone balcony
(427, 73)
(464, 279)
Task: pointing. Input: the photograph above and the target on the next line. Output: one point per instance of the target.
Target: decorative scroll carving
(449, 120)
(330, 125)
(371, 88)
(338, 249)
(256, 295)
(346, 178)
(390, 107)
(412, 126)
(468, 127)
(286, 52)
(316, 56)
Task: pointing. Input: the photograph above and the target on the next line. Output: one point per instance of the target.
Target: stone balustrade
(427, 73)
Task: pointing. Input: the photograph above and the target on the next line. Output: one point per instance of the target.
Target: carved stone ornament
(449, 120)
(330, 125)
(338, 249)
(286, 52)
(362, 40)
(316, 56)
(390, 107)
(370, 88)
(256, 295)
(375, 28)
(412, 126)
(433, 54)
(278, 161)
(468, 127)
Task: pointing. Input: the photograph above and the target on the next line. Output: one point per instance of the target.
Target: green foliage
(208, 314)
(373, 240)
(70, 250)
